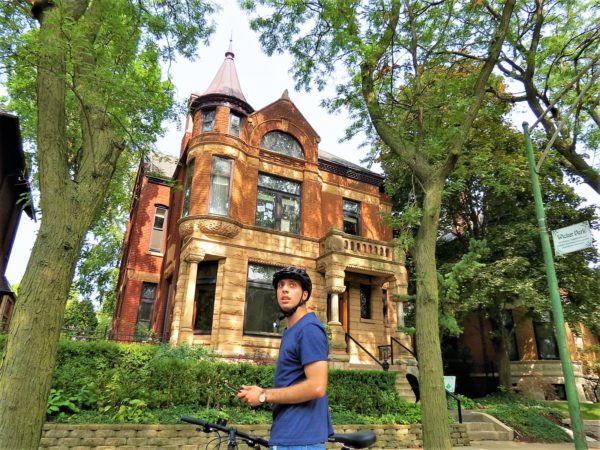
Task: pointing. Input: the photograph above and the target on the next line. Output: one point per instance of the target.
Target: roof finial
(285, 95)
(229, 52)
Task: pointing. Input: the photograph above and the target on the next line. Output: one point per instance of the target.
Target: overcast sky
(263, 79)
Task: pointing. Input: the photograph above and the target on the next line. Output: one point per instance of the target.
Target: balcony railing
(338, 241)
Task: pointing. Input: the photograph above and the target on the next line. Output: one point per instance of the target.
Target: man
(300, 408)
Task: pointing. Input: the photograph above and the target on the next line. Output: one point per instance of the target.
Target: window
(146, 304)
(545, 338)
(509, 324)
(384, 300)
(158, 229)
(208, 120)
(204, 300)
(365, 301)
(278, 204)
(219, 186)
(235, 123)
(351, 213)
(280, 142)
(188, 188)
(262, 311)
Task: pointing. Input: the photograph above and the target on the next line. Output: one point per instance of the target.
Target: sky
(263, 80)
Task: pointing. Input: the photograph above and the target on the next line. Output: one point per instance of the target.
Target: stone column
(191, 254)
(334, 282)
(398, 286)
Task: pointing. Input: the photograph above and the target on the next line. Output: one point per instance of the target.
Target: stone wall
(185, 437)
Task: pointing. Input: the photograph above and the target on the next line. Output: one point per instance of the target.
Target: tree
(491, 257)
(552, 54)
(413, 92)
(80, 318)
(84, 77)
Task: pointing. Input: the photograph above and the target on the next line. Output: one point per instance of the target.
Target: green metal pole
(557, 312)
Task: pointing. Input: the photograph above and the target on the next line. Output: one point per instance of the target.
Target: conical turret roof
(226, 80)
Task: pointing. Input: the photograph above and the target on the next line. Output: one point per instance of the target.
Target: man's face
(289, 293)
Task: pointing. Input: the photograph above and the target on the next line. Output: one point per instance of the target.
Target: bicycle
(349, 441)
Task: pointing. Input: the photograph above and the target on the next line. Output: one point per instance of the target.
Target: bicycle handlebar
(209, 427)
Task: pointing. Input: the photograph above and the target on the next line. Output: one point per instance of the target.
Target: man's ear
(304, 295)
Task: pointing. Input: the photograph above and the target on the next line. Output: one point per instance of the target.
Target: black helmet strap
(286, 314)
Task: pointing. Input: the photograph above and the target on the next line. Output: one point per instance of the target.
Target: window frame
(209, 283)
(545, 321)
(187, 190)
(146, 300)
(368, 300)
(265, 285)
(348, 213)
(213, 176)
(278, 203)
(208, 120)
(156, 231)
(293, 139)
(233, 115)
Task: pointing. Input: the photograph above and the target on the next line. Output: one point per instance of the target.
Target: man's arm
(314, 386)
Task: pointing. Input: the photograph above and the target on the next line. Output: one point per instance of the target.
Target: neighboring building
(15, 196)
(143, 248)
(534, 358)
(255, 193)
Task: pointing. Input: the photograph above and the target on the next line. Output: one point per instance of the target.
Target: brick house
(14, 186)
(533, 354)
(254, 193)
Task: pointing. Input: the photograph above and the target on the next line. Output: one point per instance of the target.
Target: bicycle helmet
(293, 273)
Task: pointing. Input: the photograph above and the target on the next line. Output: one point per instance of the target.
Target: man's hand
(249, 395)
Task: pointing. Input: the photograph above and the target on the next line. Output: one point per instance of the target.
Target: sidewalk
(508, 445)
(502, 445)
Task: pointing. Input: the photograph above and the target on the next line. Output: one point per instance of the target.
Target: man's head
(293, 287)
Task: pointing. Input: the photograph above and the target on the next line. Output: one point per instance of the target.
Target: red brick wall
(140, 264)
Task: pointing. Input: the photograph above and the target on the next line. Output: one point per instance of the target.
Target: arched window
(280, 142)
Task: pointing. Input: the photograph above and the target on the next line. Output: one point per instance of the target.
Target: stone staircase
(483, 427)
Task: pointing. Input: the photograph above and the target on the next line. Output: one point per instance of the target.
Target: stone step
(488, 435)
(479, 426)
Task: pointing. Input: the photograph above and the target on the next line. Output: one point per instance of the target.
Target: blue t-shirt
(303, 423)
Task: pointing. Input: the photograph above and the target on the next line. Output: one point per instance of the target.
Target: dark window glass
(384, 300)
(278, 204)
(146, 304)
(545, 338)
(262, 310)
(206, 281)
(351, 213)
(208, 120)
(235, 122)
(219, 186)
(281, 142)
(365, 301)
(513, 350)
(158, 229)
(188, 188)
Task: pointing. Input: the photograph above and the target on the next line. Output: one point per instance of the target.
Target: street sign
(572, 238)
(450, 383)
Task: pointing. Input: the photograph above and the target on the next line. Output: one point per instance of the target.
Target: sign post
(557, 312)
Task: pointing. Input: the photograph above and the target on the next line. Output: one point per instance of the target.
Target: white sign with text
(572, 238)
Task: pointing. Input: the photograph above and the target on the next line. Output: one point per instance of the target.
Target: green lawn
(589, 411)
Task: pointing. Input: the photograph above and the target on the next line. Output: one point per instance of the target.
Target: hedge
(105, 374)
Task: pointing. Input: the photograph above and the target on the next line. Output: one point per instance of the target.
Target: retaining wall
(185, 437)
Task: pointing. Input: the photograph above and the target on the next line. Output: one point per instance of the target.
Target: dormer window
(280, 142)
(208, 120)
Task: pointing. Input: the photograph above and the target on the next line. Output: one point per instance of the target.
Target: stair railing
(384, 365)
(448, 393)
(392, 340)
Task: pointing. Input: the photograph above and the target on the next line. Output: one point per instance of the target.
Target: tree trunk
(436, 433)
(69, 201)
